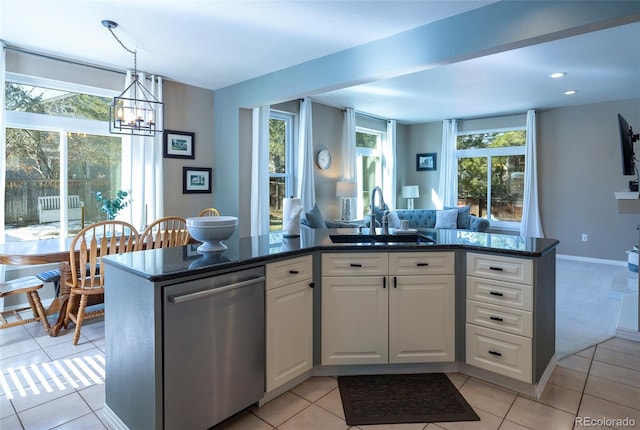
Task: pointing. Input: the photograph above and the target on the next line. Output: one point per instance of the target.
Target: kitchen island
(489, 311)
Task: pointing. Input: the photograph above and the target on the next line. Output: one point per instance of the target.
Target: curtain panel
(260, 171)
(531, 224)
(389, 165)
(306, 184)
(142, 171)
(448, 186)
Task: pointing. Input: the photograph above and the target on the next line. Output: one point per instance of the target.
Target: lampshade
(410, 192)
(345, 189)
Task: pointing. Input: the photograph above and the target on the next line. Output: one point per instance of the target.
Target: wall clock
(323, 159)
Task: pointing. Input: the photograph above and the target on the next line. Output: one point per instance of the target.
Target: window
(491, 175)
(281, 162)
(368, 166)
(56, 145)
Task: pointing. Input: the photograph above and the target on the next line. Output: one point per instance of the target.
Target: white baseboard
(591, 260)
(112, 420)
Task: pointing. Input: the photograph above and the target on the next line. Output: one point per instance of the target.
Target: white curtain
(349, 145)
(448, 188)
(260, 171)
(388, 165)
(142, 167)
(531, 225)
(306, 186)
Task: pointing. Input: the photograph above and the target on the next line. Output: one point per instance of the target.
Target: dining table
(44, 251)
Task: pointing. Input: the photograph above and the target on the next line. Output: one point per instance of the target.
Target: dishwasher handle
(181, 298)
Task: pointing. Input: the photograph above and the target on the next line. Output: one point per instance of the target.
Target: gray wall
(580, 169)
(189, 109)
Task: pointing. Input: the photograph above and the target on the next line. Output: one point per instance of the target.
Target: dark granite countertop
(170, 263)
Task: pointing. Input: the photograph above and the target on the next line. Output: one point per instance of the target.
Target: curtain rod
(63, 60)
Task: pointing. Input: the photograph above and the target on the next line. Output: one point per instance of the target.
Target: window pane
(370, 167)
(277, 192)
(472, 184)
(507, 187)
(33, 99)
(95, 164)
(33, 170)
(366, 140)
(491, 140)
(277, 146)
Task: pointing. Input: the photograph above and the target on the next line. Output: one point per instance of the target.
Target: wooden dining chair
(164, 232)
(209, 212)
(28, 285)
(87, 285)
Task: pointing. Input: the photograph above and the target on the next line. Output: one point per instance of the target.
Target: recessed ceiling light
(557, 75)
(570, 92)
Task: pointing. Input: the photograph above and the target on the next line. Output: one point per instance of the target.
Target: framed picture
(426, 161)
(196, 180)
(179, 144)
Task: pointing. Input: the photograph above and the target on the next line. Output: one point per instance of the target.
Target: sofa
(448, 218)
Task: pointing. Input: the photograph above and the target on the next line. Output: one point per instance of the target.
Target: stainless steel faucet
(372, 217)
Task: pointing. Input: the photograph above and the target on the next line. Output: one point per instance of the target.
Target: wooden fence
(21, 197)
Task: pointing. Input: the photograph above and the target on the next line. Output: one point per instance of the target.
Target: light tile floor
(48, 383)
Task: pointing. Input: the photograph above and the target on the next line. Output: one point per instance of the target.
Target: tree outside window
(491, 175)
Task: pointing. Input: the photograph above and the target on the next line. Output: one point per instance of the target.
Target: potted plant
(112, 206)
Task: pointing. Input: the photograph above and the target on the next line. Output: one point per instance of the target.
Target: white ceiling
(216, 43)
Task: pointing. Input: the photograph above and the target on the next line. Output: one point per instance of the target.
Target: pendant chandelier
(136, 111)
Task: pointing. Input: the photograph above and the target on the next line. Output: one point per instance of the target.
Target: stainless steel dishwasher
(214, 352)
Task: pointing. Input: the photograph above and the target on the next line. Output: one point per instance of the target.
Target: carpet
(397, 399)
(588, 302)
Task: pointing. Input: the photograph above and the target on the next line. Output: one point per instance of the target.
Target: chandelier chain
(134, 52)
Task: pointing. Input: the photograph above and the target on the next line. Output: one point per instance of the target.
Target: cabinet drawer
(500, 318)
(355, 264)
(509, 294)
(499, 352)
(501, 268)
(289, 271)
(421, 263)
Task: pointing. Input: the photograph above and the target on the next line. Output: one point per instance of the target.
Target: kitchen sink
(381, 238)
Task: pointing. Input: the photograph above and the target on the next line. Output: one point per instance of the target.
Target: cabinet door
(289, 341)
(355, 320)
(421, 319)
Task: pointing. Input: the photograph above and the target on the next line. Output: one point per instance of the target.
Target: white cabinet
(499, 315)
(289, 320)
(388, 308)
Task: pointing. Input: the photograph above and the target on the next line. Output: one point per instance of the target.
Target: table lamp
(410, 192)
(346, 190)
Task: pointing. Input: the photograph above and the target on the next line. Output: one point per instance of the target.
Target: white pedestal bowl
(211, 230)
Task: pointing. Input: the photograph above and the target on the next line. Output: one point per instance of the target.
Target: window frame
(291, 156)
(488, 153)
(56, 124)
(368, 152)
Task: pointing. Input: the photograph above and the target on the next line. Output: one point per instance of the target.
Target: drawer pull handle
(395, 282)
(496, 318)
(384, 282)
(422, 264)
(497, 354)
(355, 265)
(495, 293)
(293, 272)
(497, 269)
